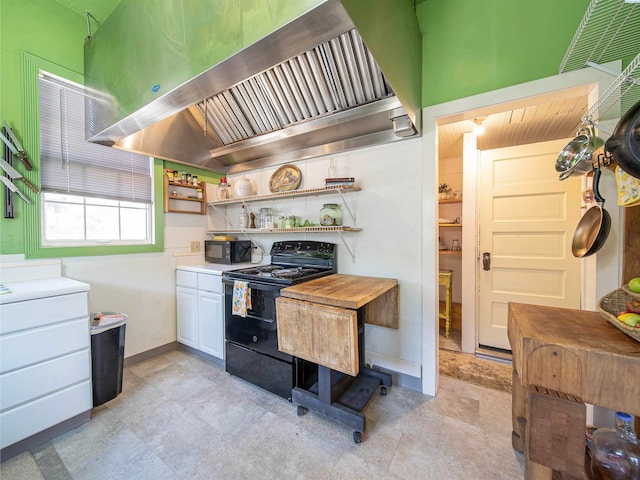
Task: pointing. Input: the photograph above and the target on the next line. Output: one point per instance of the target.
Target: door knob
(486, 261)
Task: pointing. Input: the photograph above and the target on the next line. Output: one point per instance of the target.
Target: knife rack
(8, 194)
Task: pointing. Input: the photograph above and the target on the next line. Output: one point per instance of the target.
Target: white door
(526, 220)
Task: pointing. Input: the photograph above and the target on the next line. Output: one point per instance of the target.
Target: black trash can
(107, 355)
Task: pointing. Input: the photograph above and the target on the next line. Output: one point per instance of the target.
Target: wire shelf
(621, 95)
(608, 31)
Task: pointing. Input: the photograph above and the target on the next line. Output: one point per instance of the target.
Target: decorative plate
(286, 178)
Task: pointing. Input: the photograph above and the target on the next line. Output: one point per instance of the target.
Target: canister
(331, 215)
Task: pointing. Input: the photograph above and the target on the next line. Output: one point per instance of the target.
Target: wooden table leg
(518, 414)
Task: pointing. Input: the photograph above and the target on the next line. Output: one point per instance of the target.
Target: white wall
(388, 208)
(142, 286)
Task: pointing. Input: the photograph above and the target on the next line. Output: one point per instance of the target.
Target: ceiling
(541, 119)
(535, 120)
(98, 9)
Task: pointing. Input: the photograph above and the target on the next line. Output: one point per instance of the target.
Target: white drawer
(210, 283)
(44, 378)
(43, 311)
(33, 417)
(186, 279)
(29, 347)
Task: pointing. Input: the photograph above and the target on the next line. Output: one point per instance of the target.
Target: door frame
(590, 81)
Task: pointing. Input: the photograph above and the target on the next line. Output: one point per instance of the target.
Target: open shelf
(291, 193)
(185, 195)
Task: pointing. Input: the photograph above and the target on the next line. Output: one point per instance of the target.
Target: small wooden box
(556, 429)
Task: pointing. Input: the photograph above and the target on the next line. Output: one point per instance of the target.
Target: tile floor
(181, 418)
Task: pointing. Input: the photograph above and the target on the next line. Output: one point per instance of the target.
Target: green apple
(634, 285)
(631, 320)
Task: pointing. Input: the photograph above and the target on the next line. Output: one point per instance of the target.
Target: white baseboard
(394, 364)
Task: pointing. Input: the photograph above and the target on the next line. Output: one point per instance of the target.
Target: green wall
(46, 30)
(56, 34)
(471, 47)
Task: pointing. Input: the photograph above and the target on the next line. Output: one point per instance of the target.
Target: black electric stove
(291, 263)
(251, 339)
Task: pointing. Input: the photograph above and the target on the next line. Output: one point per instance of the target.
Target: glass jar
(615, 452)
(331, 215)
(266, 219)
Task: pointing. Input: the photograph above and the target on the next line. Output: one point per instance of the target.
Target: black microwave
(227, 251)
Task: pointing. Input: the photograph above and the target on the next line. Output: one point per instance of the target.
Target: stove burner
(292, 262)
(293, 272)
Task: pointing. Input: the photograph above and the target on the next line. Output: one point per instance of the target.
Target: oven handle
(256, 286)
(265, 320)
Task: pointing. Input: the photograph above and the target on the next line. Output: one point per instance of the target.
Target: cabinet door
(211, 323)
(187, 316)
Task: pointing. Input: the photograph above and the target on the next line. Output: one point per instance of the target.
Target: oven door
(258, 330)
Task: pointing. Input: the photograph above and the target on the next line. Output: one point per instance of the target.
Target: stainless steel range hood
(241, 84)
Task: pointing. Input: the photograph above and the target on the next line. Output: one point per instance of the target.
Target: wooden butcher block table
(562, 359)
(323, 321)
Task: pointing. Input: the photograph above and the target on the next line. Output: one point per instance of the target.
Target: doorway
(513, 102)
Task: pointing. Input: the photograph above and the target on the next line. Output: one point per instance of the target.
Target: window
(91, 194)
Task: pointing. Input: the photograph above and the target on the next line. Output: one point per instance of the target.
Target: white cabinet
(45, 360)
(211, 323)
(200, 311)
(187, 315)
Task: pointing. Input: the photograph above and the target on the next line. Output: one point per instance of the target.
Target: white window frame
(46, 200)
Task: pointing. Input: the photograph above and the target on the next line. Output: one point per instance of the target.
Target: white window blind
(71, 165)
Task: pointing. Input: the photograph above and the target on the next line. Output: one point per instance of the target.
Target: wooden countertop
(378, 296)
(576, 352)
(344, 291)
(318, 320)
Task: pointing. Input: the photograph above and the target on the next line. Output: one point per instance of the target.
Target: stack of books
(339, 182)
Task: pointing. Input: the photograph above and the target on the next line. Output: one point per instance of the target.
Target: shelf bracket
(346, 245)
(344, 202)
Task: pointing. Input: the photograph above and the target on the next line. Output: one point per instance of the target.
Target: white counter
(215, 268)
(48, 287)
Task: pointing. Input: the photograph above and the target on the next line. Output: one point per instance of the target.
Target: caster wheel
(301, 410)
(357, 437)
(383, 391)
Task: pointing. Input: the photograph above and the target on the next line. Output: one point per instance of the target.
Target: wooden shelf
(172, 202)
(450, 252)
(452, 200)
(285, 230)
(449, 224)
(292, 193)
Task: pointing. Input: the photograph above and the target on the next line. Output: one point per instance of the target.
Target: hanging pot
(577, 157)
(624, 144)
(593, 228)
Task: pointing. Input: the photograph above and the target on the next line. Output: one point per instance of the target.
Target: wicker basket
(633, 294)
(613, 303)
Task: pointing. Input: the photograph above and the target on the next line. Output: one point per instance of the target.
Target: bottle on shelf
(615, 452)
(332, 172)
(244, 218)
(222, 193)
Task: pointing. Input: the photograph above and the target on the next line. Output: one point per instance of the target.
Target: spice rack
(185, 197)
